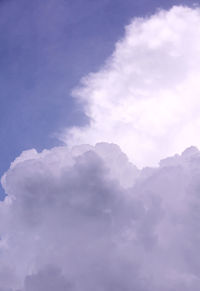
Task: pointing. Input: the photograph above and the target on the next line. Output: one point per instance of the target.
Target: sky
(99, 144)
(46, 47)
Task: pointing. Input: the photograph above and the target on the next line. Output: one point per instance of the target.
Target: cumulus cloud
(146, 97)
(87, 219)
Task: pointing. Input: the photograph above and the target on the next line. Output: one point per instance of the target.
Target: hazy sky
(45, 49)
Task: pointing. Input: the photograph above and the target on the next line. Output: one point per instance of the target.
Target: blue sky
(117, 207)
(45, 48)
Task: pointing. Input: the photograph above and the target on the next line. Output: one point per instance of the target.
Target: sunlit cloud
(146, 97)
(84, 217)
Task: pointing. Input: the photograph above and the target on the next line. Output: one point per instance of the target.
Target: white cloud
(146, 97)
(85, 218)
(57, 199)
(73, 220)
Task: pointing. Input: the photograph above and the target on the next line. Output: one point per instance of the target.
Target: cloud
(85, 218)
(73, 220)
(146, 97)
(58, 199)
(48, 279)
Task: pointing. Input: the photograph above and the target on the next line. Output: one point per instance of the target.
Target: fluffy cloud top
(146, 97)
(87, 219)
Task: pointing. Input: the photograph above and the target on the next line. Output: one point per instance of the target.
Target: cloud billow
(71, 221)
(83, 217)
(146, 97)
